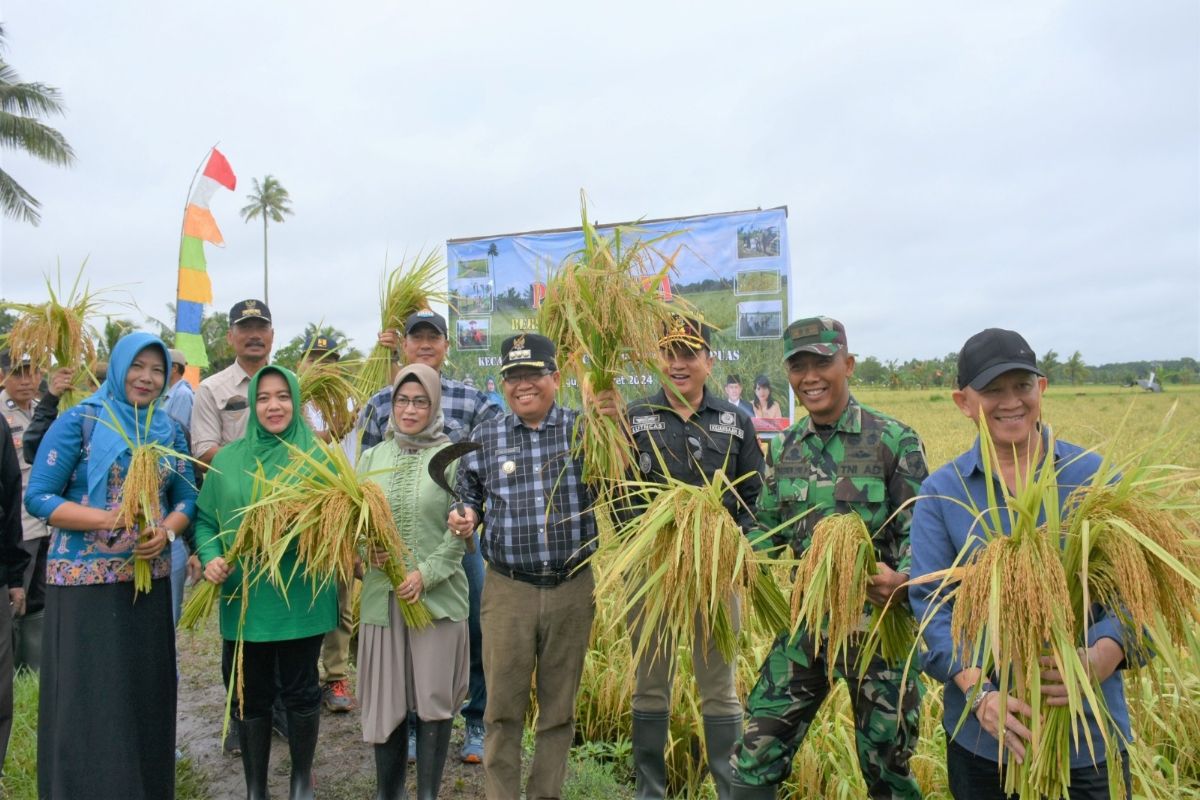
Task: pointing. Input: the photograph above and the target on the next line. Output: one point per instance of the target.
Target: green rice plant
(410, 287)
(605, 313)
(58, 331)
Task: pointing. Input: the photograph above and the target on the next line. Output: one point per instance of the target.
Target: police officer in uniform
(689, 433)
(17, 401)
(841, 458)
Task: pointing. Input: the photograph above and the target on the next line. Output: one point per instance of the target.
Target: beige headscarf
(434, 433)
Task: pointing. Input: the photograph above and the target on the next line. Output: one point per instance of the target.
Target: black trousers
(299, 686)
(974, 777)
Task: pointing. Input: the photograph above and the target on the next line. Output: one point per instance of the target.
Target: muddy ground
(344, 767)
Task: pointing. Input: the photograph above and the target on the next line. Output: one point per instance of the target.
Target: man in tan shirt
(220, 410)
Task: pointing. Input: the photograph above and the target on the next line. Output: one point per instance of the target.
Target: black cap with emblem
(527, 350)
(247, 310)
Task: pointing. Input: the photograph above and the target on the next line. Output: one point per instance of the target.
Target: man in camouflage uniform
(841, 458)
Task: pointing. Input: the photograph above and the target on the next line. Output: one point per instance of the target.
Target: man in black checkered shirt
(538, 532)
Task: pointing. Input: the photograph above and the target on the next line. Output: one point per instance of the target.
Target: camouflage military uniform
(869, 464)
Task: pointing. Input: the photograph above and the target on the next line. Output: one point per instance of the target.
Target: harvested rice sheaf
(328, 385)
(410, 287)
(681, 561)
(140, 507)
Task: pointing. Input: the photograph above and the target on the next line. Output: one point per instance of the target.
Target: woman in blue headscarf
(107, 699)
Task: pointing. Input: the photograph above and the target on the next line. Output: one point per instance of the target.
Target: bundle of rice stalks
(339, 515)
(57, 331)
(408, 288)
(681, 562)
(328, 385)
(140, 508)
(605, 313)
(829, 596)
(261, 527)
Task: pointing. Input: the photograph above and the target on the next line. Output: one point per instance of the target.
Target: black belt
(542, 579)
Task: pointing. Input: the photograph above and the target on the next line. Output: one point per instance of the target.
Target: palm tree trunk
(266, 299)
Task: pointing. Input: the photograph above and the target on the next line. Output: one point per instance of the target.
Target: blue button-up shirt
(529, 491)
(940, 530)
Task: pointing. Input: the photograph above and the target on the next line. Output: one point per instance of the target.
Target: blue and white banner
(734, 267)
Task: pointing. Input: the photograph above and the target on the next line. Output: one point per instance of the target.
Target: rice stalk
(337, 515)
(57, 332)
(330, 387)
(410, 287)
(605, 312)
(680, 562)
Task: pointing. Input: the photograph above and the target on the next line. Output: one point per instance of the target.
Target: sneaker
(337, 697)
(472, 749)
(232, 746)
(412, 743)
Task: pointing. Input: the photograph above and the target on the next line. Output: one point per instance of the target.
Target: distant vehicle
(1150, 384)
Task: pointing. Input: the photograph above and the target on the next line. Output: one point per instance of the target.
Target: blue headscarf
(112, 410)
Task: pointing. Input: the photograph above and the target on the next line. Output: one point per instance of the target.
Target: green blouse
(271, 614)
(419, 508)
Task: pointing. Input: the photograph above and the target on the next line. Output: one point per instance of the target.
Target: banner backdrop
(734, 267)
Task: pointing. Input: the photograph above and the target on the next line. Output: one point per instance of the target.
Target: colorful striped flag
(195, 288)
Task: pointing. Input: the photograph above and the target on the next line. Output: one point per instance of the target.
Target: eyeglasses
(514, 379)
(419, 403)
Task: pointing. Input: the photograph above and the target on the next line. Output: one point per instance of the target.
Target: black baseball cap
(425, 317)
(991, 353)
(321, 346)
(249, 309)
(527, 350)
(7, 362)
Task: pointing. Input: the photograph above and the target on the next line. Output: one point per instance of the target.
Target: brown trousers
(531, 631)
(335, 649)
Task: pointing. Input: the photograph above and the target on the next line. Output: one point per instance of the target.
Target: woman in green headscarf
(281, 629)
(400, 669)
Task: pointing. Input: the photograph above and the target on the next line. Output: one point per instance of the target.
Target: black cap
(527, 350)
(7, 362)
(686, 331)
(426, 317)
(991, 353)
(320, 344)
(249, 309)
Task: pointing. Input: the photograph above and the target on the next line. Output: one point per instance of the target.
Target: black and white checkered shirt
(538, 514)
(464, 407)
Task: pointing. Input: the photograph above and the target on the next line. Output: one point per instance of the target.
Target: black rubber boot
(433, 740)
(391, 763)
(739, 791)
(254, 736)
(650, 731)
(302, 744)
(720, 735)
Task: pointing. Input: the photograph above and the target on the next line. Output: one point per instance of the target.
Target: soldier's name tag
(648, 422)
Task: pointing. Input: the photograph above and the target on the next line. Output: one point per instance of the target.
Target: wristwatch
(170, 535)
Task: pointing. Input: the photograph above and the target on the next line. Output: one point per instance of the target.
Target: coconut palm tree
(21, 106)
(270, 201)
(1075, 369)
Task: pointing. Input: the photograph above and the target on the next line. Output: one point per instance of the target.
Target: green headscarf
(239, 460)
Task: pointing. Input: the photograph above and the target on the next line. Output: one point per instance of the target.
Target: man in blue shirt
(999, 381)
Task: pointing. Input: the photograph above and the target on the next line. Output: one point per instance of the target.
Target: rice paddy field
(1166, 711)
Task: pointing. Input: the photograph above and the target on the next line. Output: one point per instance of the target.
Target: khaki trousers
(539, 635)
(335, 649)
(655, 671)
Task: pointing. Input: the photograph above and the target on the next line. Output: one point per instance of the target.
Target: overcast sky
(947, 166)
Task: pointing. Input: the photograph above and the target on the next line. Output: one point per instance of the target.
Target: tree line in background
(916, 373)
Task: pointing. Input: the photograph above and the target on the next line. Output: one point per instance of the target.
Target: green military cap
(821, 335)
